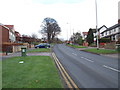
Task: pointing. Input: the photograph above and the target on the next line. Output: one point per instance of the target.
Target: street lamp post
(73, 35)
(70, 28)
(67, 33)
(97, 26)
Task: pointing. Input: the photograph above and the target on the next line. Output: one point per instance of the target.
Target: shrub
(104, 40)
(93, 45)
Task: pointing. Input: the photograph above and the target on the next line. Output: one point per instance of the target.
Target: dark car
(43, 45)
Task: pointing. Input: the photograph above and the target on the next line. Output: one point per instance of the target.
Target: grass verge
(101, 51)
(38, 50)
(35, 72)
(75, 46)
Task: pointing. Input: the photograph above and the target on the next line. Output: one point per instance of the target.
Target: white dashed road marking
(74, 54)
(87, 59)
(111, 68)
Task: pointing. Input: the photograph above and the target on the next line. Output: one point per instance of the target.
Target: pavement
(88, 70)
(28, 54)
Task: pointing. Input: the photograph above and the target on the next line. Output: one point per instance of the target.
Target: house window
(114, 30)
(110, 32)
(102, 34)
(113, 38)
(106, 33)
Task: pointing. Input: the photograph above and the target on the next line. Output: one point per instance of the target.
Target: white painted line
(74, 54)
(87, 59)
(111, 68)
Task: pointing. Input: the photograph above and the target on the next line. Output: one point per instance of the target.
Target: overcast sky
(79, 15)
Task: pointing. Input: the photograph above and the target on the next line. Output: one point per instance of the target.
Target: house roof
(85, 33)
(9, 26)
(102, 27)
(94, 29)
(112, 27)
(4, 26)
(17, 34)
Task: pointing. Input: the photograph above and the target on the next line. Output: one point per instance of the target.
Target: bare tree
(50, 28)
(34, 35)
(77, 38)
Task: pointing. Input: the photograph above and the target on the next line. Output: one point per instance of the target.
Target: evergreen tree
(90, 36)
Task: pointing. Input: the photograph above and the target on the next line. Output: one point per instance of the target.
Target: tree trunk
(49, 38)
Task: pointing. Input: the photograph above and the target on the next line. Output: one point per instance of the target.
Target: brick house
(7, 35)
(84, 35)
(18, 37)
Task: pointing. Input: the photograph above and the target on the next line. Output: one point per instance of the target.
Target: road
(86, 69)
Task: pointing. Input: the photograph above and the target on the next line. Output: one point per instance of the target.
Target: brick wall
(110, 45)
(4, 37)
(5, 34)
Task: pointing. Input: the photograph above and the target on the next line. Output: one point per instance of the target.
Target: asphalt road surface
(86, 69)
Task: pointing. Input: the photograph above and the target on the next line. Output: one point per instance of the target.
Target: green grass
(101, 51)
(52, 44)
(75, 46)
(38, 50)
(35, 72)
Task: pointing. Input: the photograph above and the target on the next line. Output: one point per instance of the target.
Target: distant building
(84, 35)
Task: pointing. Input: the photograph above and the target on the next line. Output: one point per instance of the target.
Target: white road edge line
(111, 68)
(87, 59)
(74, 54)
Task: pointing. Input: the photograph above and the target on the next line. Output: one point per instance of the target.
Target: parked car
(43, 45)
